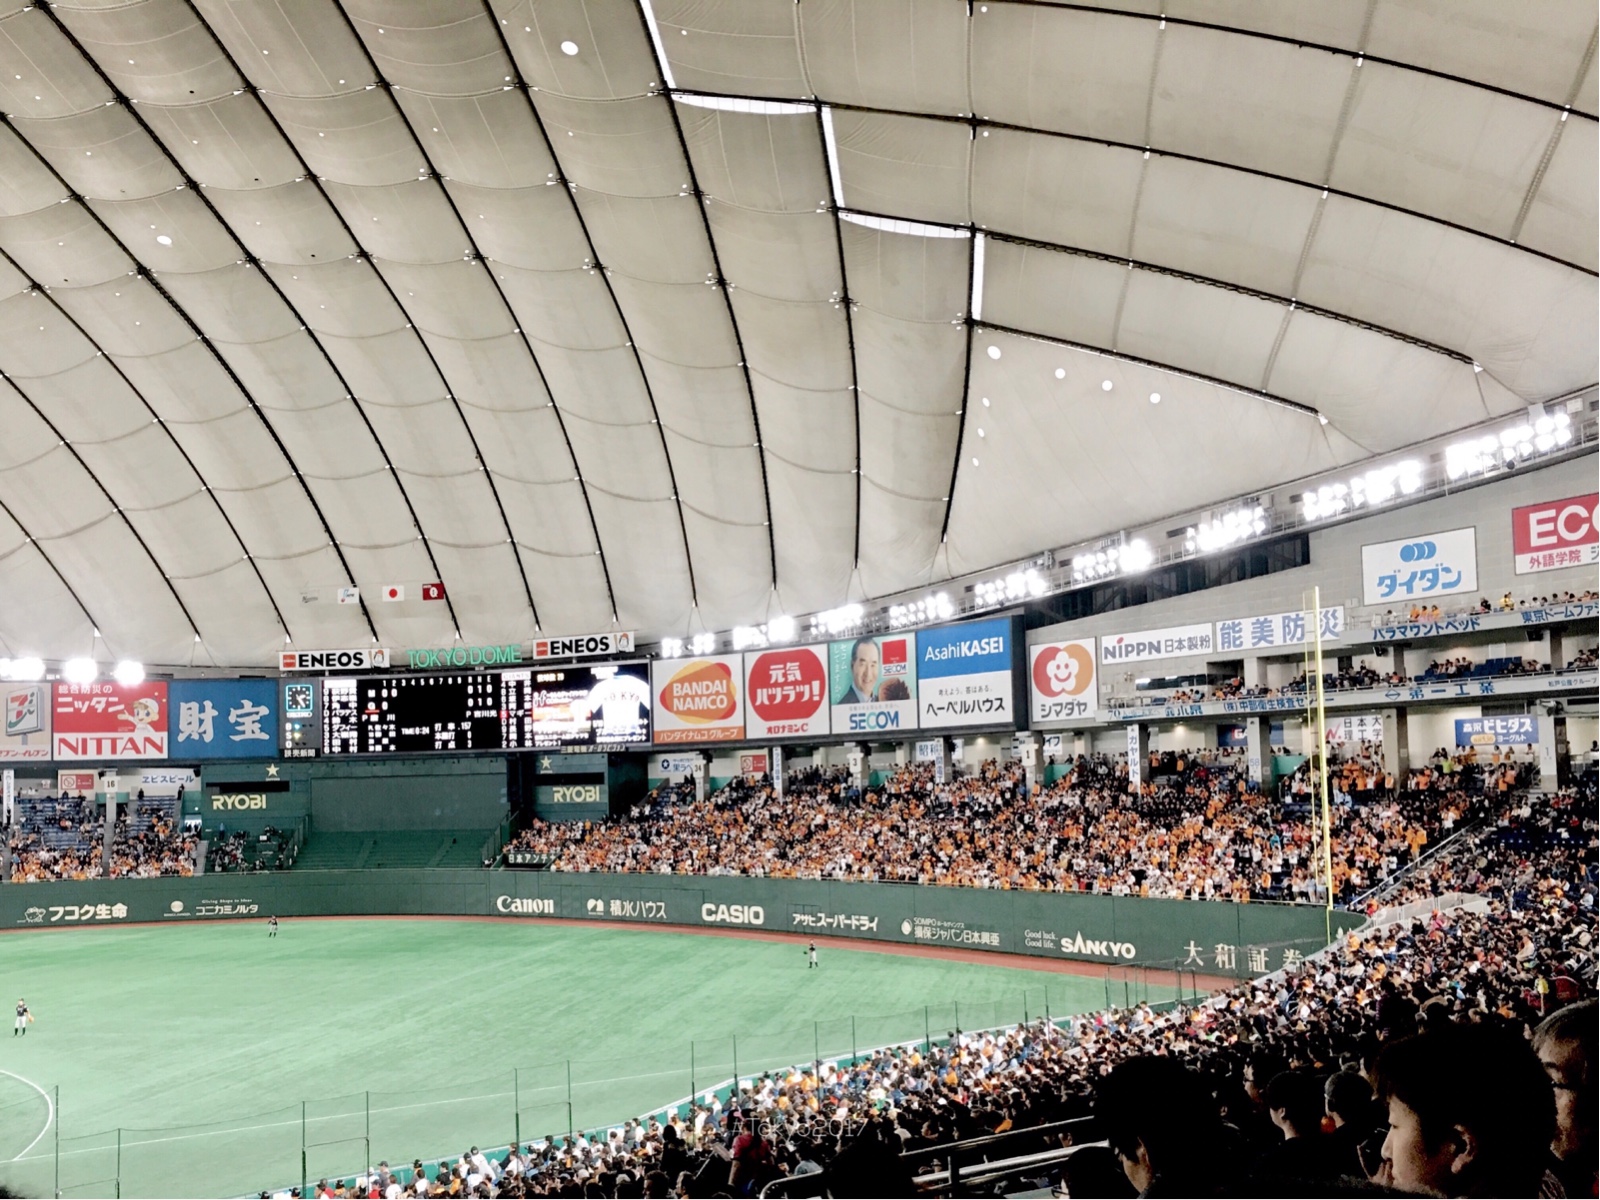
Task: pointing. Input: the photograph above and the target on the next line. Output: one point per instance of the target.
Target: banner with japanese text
(1422, 568)
(1062, 681)
(965, 674)
(27, 730)
(698, 699)
(872, 684)
(1178, 641)
(223, 718)
(1497, 731)
(1279, 629)
(1556, 534)
(109, 720)
(786, 692)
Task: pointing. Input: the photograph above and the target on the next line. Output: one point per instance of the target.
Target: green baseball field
(210, 1060)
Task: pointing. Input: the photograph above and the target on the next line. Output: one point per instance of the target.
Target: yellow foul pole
(1322, 758)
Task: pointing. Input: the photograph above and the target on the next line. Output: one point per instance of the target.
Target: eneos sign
(698, 699)
(1556, 534)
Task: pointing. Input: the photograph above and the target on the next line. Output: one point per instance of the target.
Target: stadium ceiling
(685, 315)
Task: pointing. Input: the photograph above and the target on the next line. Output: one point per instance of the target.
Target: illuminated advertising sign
(1556, 534)
(698, 699)
(873, 684)
(27, 730)
(964, 674)
(786, 692)
(1425, 567)
(109, 720)
(1061, 681)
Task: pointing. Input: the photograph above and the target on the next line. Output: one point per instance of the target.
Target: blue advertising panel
(965, 674)
(1497, 731)
(223, 718)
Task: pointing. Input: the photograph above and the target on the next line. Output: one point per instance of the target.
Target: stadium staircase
(389, 849)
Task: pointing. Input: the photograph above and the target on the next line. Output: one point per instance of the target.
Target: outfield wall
(1215, 938)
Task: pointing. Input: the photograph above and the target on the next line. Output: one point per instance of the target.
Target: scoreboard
(599, 706)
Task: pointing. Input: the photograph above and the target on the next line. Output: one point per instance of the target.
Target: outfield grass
(403, 1038)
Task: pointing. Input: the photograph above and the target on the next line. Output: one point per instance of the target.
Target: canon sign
(733, 914)
(525, 906)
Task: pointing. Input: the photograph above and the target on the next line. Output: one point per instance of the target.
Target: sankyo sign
(465, 656)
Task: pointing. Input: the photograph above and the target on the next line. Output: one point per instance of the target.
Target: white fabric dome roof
(686, 325)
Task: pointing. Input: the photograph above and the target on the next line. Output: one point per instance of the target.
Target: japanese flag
(394, 591)
(349, 595)
(433, 591)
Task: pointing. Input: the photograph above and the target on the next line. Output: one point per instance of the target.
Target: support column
(859, 764)
(1396, 744)
(1138, 755)
(1256, 750)
(1551, 742)
(1253, 674)
(701, 767)
(903, 752)
(110, 786)
(1557, 649)
(775, 769)
(1030, 751)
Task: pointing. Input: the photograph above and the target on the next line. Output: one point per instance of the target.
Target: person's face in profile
(864, 668)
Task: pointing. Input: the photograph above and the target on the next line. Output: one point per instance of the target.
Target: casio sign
(733, 914)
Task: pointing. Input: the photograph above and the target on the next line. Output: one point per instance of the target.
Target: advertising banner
(332, 660)
(27, 729)
(582, 645)
(76, 783)
(223, 718)
(1497, 731)
(672, 766)
(964, 674)
(753, 764)
(1556, 534)
(1427, 566)
(1175, 642)
(166, 781)
(1279, 629)
(786, 692)
(109, 720)
(1061, 681)
(698, 699)
(873, 683)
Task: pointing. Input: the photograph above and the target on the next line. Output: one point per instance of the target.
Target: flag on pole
(433, 591)
(350, 595)
(394, 591)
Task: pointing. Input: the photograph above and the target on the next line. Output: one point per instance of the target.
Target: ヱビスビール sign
(1556, 534)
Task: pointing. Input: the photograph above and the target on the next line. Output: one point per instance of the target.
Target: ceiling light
(79, 670)
(781, 629)
(986, 402)
(22, 669)
(994, 351)
(931, 608)
(671, 647)
(1155, 397)
(163, 239)
(703, 643)
(131, 674)
(1105, 385)
(837, 620)
(1061, 372)
(569, 48)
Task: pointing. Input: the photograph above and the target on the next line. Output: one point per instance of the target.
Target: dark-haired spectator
(1470, 1113)
(1161, 1119)
(1294, 1104)
(1348, 1101)
(1565, 1043)
(1095, 1172)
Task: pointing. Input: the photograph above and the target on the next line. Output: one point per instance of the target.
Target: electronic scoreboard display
(594, 706)
(599, 705)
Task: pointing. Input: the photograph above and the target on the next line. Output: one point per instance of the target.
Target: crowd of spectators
(1425, 1055)
(1194, 830)
(1432, 612)
(64, 838)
